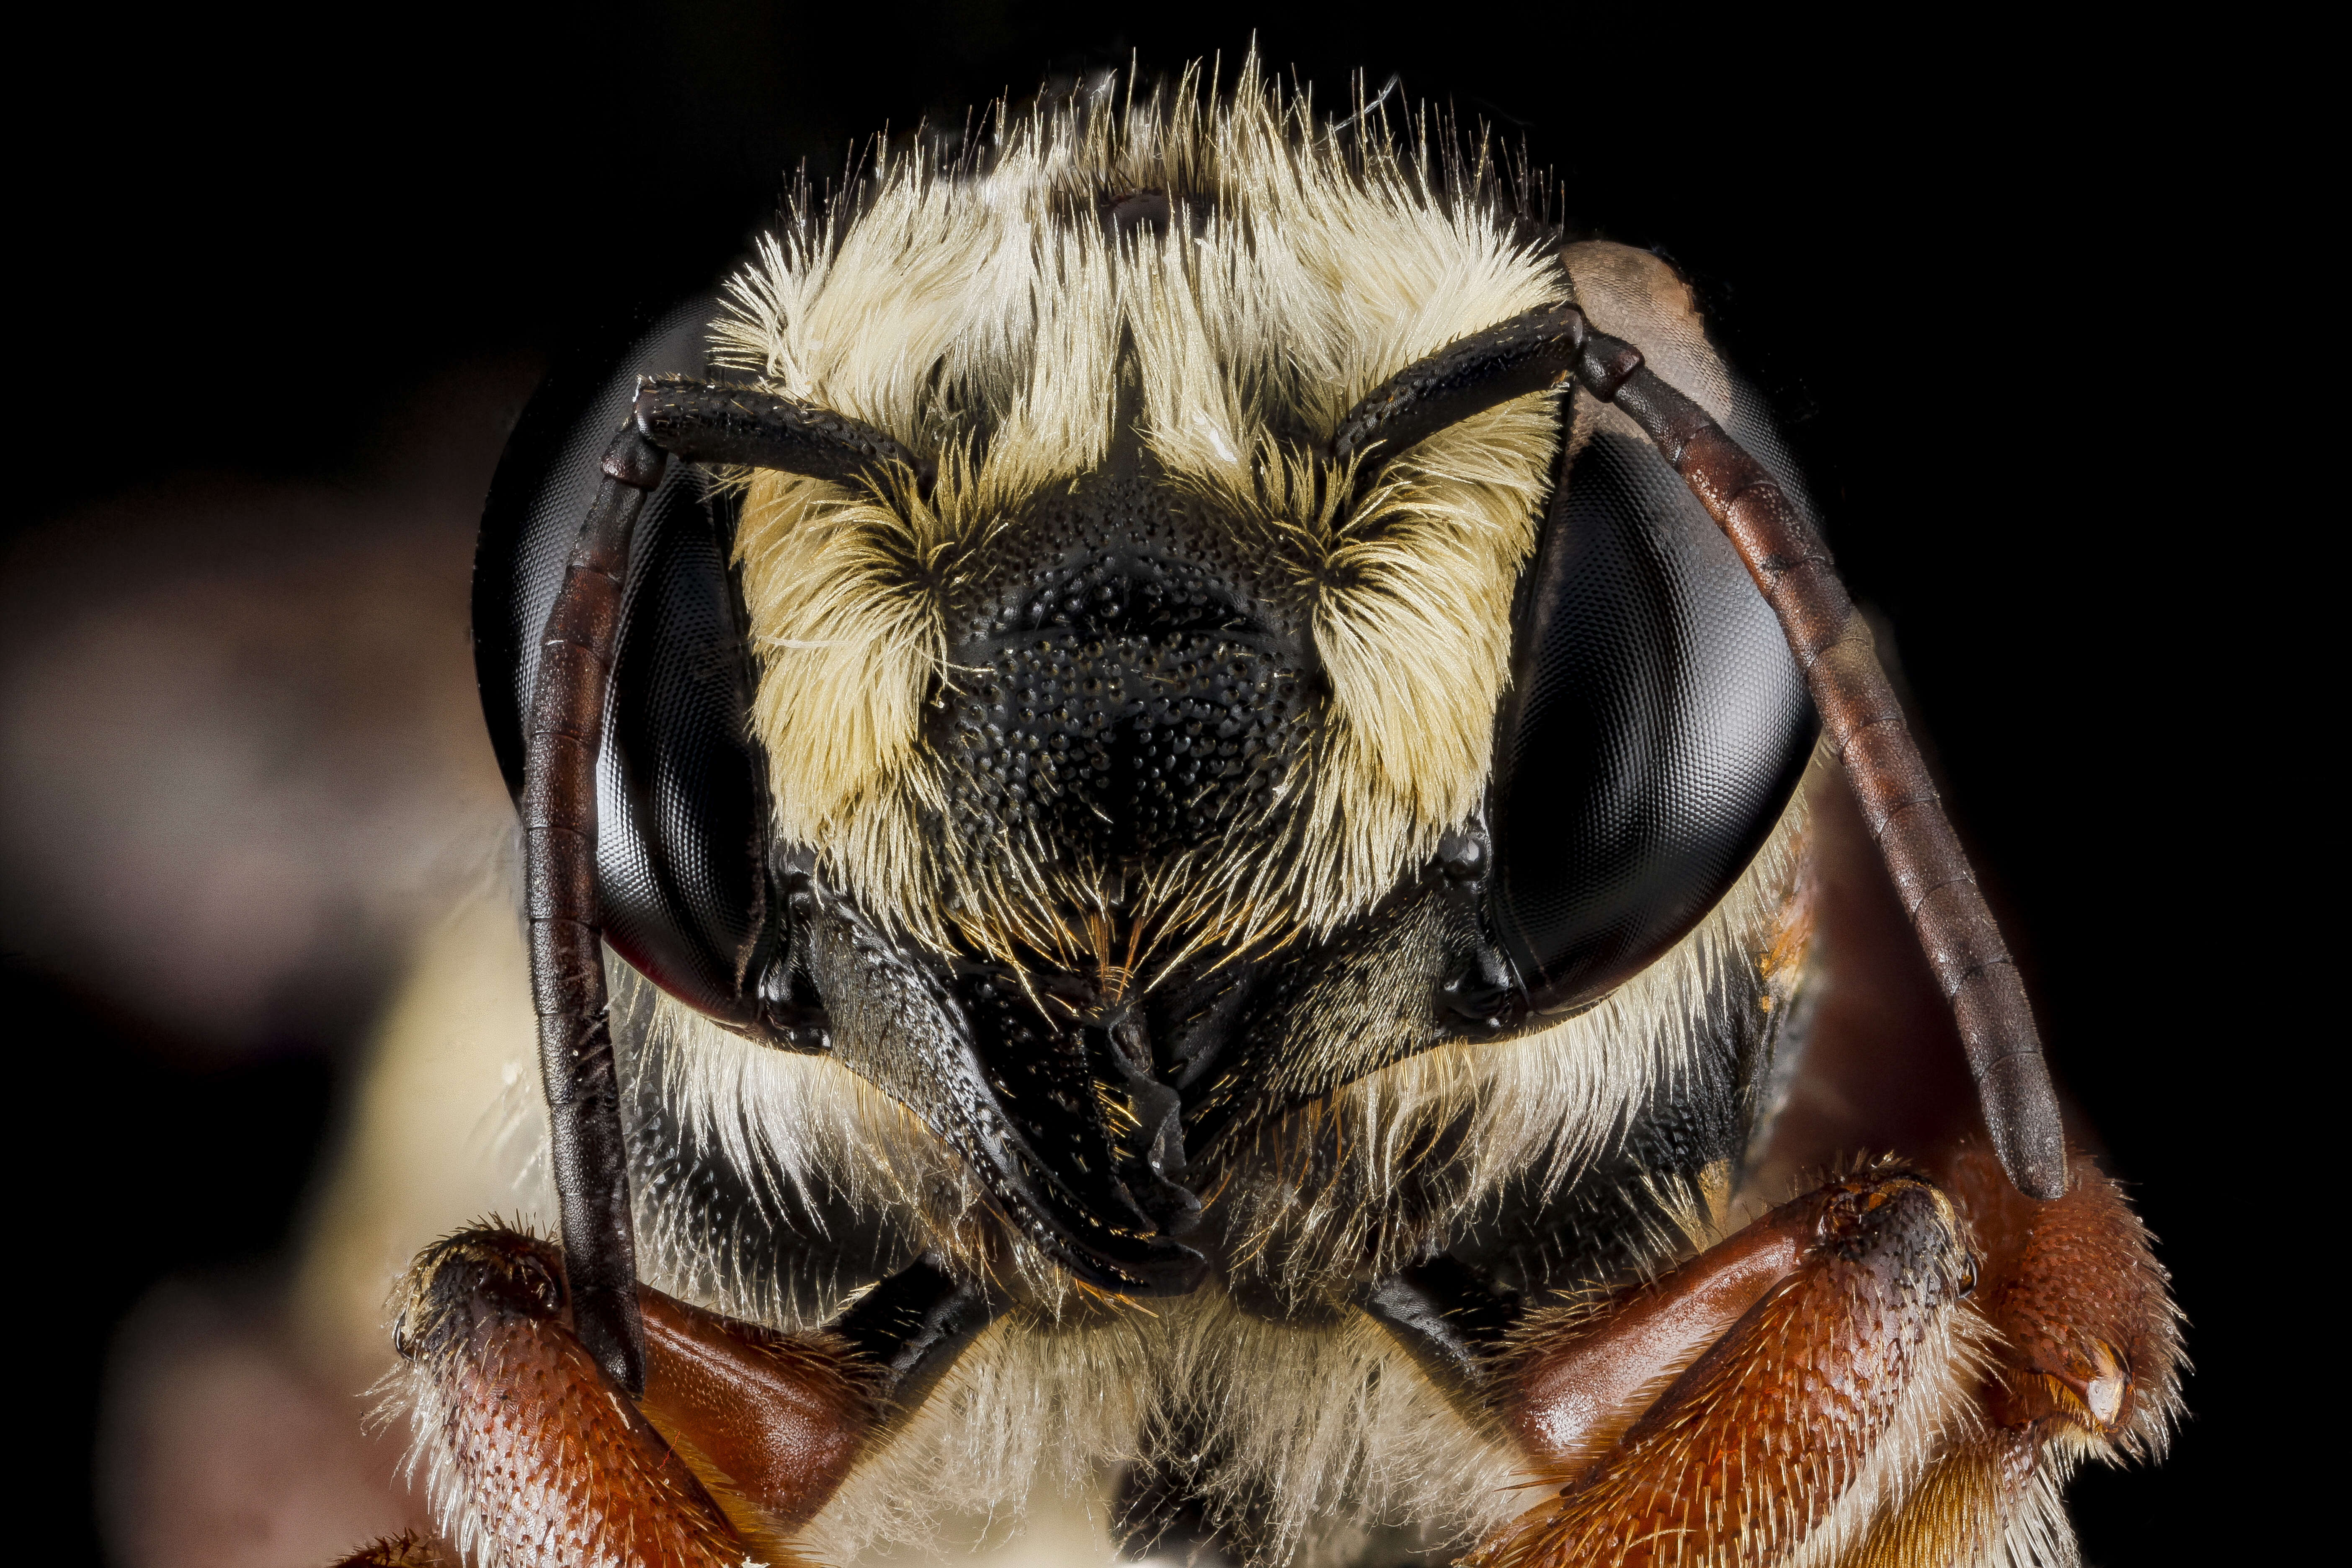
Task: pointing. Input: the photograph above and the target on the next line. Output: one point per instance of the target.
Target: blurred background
(289, 284)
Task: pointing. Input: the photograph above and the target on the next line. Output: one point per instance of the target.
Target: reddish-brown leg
(2086, 1364)
(1582, 1375)
(741, 1432)
(2086, 1355)
(1750, 1395)
(1787, 1398)
(2090, 1342)
(769, 1419)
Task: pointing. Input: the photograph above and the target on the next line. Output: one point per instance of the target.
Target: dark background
(1959, 252)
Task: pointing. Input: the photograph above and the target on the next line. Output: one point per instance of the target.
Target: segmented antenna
(589, 1144)
(1865, 727)
(1545, 347)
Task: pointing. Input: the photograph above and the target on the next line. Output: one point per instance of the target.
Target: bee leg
(2086, 1365)
(1794, 1375)
(742, 1432)
(2085, 1357)
(533, 1452)
(778, 1419)
(2091, 1339)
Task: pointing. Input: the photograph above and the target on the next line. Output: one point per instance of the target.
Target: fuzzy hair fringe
(1301, 268)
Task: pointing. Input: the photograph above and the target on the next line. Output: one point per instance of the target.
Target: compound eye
(681, 801)
(1656, 728)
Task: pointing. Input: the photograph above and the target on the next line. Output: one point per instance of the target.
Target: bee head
(1208, 697)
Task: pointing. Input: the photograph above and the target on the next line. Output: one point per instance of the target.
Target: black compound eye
(681, 844)
(1656, 728)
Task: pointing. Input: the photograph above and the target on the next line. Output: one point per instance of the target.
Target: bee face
(1161, 757)
(1128, 777)
(1126, 467)
(1120, 715)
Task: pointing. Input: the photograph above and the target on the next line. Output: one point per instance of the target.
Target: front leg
(743, 1433)
(1781, 1382)
(1892, 1372)
(2086, 1365)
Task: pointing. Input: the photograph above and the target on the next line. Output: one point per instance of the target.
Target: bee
(1186, 782)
